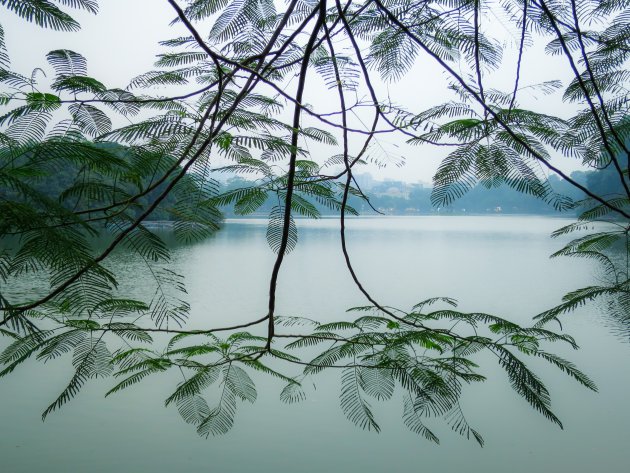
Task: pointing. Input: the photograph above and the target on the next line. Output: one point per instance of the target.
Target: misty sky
(121, 42)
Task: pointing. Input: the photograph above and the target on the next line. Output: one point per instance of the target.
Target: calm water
(493, 264)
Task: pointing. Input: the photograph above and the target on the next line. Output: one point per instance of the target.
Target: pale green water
(493, 264)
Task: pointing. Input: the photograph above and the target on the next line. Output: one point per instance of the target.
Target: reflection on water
(492, 264)
(614, 311)
(617, 307)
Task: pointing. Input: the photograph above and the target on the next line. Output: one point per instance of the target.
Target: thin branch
(188, 332)
(321, 18)
(477, 49)
(344, 201)
(521, 47)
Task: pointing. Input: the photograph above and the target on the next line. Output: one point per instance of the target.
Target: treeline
(69, 184)
(401, 198)
(113, 174)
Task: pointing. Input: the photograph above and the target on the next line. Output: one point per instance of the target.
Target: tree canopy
(241, 72)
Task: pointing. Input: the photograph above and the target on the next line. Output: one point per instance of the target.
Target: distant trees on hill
(400, 198)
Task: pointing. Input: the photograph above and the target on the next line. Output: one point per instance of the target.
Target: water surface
(495, 264)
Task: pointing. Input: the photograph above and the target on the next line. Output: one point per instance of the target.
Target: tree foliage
(244, 66)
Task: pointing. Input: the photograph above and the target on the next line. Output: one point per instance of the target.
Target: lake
(494, 264)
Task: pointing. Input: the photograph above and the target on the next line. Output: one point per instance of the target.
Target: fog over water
(494, 264)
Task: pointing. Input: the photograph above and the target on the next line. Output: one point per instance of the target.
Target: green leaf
(42, 101)
(83, 324)
(224, 140)
(43, 13)
(276, 230)
(239, 382)
(356, 409)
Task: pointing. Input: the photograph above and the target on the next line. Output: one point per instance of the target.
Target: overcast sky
(121, 42)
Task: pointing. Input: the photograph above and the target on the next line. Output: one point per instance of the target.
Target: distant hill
(401, 198)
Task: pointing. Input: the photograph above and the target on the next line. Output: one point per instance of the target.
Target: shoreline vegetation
(382, 197)
(399, 198)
